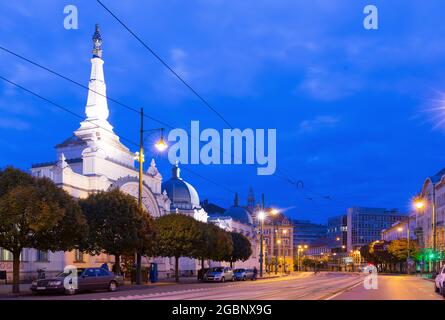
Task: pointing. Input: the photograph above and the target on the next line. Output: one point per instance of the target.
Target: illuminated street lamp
(420, 204)
(161, 146)
(261, 217)
(275, 212)
(284, 251)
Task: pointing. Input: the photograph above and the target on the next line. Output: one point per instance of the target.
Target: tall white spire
(96, 109)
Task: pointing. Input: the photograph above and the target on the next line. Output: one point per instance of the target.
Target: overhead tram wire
(61, 107)
(181, 79)
(165, 64)
(83, 86)
(82, 118)
(288, 180)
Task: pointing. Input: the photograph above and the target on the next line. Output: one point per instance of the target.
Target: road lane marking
(336, 294)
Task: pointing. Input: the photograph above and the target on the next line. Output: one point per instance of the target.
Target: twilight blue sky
(356, 111)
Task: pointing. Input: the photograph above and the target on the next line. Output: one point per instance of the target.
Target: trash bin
(153, 272)
(3, 276)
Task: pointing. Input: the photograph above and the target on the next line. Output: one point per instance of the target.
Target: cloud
(318, 123)
(325, 85)
(15, 124)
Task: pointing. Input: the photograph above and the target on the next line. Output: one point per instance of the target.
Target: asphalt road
(298, 287)
(393, 287)
(303, 286)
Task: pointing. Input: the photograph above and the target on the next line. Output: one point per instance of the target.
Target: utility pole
(141, 172)
(261, 236)
(407, 240)
(434, 228)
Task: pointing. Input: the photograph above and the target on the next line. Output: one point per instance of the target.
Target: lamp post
(278, 255)
(284, 250)
(274, 212)
(261, 217)
(419, 205)
(161, 145)
(298, 257)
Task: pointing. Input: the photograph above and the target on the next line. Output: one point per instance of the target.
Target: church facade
(94, 159)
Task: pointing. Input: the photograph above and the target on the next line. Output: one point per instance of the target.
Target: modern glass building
(307, 233)
(365, 225)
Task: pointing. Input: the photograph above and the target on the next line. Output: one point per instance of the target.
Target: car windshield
(217, 269)
(238, 270)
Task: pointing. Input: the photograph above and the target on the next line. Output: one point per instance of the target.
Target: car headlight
(54, 283)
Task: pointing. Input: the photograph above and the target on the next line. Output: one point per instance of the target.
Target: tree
(220, 243)
(35, 213)
(178, 236)
(117, 225)
(399, 251)
(241, 248)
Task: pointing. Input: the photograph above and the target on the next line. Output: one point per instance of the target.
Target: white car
(439, 282)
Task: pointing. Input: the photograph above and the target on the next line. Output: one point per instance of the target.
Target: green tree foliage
(241, 248)
(117, 225)
(399, 249)
(35, 213)
(214, 243)
(178, 236)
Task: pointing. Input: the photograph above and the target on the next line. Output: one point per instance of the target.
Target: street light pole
(434, 228)
(261, 218)
(408, 248)
(161, 145)
(141, 172)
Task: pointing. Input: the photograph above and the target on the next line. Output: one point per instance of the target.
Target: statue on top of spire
(97, 43)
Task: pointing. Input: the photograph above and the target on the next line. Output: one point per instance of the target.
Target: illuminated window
(5, 255)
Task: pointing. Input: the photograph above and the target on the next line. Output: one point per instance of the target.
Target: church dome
(181, 194)
(239, 213)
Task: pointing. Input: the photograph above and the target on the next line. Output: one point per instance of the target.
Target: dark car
(243, 274)
(88, 279)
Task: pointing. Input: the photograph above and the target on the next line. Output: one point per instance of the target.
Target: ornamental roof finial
(97, 43)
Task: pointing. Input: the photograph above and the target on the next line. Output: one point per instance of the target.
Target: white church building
(94, 159)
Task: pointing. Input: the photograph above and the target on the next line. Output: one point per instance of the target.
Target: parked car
(89, 279)
(243, 274)
(219, 274)
(439, 282)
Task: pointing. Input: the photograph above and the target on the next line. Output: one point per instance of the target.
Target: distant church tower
(251, 200)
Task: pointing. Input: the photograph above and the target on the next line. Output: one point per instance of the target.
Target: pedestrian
(104, 266)
(255, 273)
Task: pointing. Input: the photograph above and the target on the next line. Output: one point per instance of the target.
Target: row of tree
(35, 213)
(391, 255)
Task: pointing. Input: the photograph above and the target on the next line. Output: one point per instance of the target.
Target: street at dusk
(305, 286)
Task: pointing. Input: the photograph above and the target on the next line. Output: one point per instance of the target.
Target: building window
(41, 256)
(5, 255)
(78, 256)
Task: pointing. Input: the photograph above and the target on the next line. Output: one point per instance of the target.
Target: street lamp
(275, 212)
(161, 146)
(278, 253)
(419, 204)
(284, 251)
(261, 217)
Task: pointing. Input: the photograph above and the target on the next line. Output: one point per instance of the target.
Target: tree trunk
(117, 264)
(202, 264)
(16, 271)
(177, 269)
